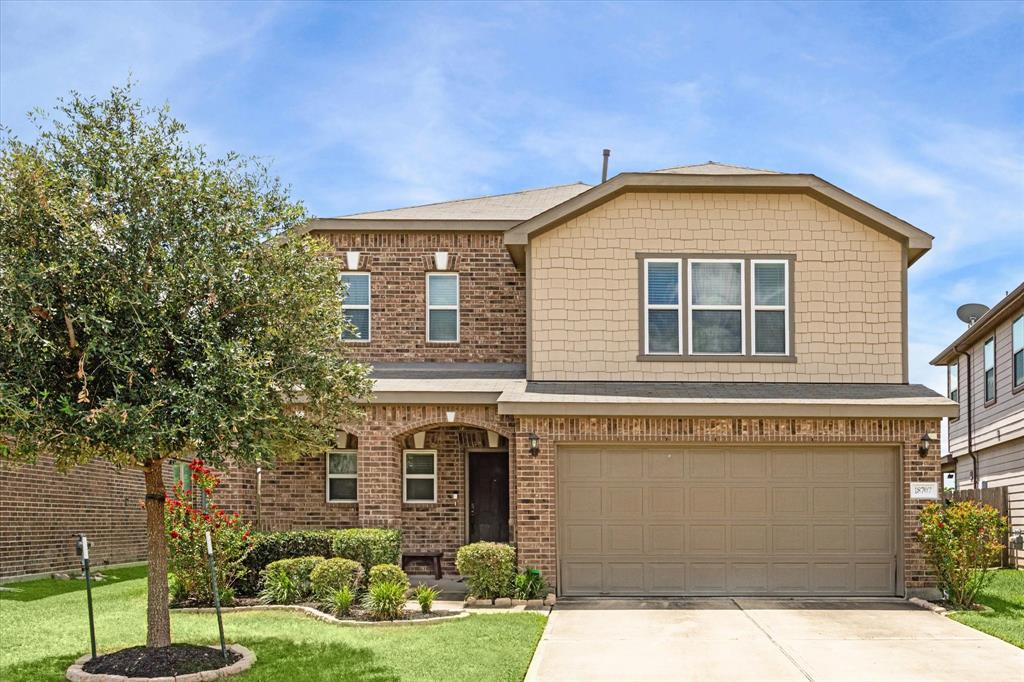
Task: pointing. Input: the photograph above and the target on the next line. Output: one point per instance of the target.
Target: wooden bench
(433, 557)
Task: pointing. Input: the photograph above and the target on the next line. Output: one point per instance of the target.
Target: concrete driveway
(765, 639)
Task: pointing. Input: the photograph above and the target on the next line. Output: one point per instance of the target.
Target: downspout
(970, 426)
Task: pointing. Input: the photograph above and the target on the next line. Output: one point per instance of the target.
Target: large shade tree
(150, 308)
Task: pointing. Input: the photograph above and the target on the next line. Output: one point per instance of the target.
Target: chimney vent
(604, 167)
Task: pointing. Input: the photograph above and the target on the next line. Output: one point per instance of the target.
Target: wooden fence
(997, 497)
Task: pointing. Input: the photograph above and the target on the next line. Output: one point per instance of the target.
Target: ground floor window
(182, 475)
(342, 476)
(420, 475)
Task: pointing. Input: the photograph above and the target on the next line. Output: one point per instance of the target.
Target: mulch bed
(167, 661)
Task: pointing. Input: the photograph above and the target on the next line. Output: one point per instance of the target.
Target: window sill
(990, 403)
(352, 502)
(644, 357)
(1017, 389)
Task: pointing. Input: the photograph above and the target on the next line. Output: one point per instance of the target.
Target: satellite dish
(971, 312)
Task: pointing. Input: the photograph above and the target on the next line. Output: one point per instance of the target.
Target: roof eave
(735, 408)
(918, 241)
(997, 314)
(405, 225)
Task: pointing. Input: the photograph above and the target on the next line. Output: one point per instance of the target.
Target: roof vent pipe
(604, 167)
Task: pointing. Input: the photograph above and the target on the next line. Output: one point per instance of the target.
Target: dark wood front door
(488, 496)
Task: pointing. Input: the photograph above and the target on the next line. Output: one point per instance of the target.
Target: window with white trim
(716, 325)
(342, 476)
(183, 475)
(770, 293)
(356, 306)
(1018, 352)
(663, 320)
(990, 369)
(419, 473)
(953, 381)
(442, 307)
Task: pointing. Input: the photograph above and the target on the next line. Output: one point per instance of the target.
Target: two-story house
(985, 376)
(684, 382)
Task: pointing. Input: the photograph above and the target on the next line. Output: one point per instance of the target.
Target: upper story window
(357, 305)
(663, 319)
(990, 370)
(953, 381)
(698, 307)
(716, 307)
(443, 307)
(771, 307)
(342, 475)
(1018, 352)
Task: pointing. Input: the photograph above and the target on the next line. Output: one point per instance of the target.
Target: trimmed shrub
(369, 546)
(270, 547)
(330, 575)
(287, 581)
(489, 568)
(961, 540)
(176, 593)
(389, 573)
(384, 600)
(529, 585)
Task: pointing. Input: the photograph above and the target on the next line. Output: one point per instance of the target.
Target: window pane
(1018, 368)
(716, 284)
(342, 462)
(342, 488)
(419, 489)
(990, 354)
(1018, 334)
(444, 325)
(769, 284)
(443, 290)
(358, 292)
(770, 331)
(663, 283)
(717, 331)
(419, 463)
(990, 384)
(360, 319)
(954, 381)
(663, 330)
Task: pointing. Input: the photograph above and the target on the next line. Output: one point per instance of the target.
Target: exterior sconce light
(450, 416)
(925, 445)
(441, 260)
(534, 444)
(352, 260)
(1017, 540)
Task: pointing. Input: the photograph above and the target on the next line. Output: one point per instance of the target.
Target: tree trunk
(158, 615)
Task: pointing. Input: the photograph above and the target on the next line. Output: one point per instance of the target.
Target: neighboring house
(985, 375)
(684, 382)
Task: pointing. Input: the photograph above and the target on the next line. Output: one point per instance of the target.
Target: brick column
(380, 480)
(534, 503)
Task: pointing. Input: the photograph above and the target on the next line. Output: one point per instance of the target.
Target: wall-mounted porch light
(352, 260)
(534, 444)
(925, 445)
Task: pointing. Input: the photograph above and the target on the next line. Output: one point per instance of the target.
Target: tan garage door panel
(719, 520)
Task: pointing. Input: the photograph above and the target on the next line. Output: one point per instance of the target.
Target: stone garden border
(76, 674)
(325, 617)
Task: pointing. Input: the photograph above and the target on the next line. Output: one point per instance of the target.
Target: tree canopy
(153, 302)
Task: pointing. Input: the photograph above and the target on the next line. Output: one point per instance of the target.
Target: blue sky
(918, 108)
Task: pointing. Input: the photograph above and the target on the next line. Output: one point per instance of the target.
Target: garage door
(715, 520)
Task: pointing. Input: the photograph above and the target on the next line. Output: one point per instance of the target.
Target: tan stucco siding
(585, 295)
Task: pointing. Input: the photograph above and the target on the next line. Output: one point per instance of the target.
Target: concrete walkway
(765, 639)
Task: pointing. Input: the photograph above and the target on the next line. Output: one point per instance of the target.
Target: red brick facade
(492, 296)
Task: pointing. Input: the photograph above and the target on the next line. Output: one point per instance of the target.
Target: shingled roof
(514, 206)
(715, 168)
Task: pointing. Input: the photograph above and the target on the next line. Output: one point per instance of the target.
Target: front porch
(444, 475)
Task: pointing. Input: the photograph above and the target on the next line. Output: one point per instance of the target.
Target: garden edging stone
(325, 617)
(76, 674)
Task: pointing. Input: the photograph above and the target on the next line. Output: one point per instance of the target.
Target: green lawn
(41, 637)
(1005, 595)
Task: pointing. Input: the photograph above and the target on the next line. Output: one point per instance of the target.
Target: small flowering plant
(961, 540)
(188, 515)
